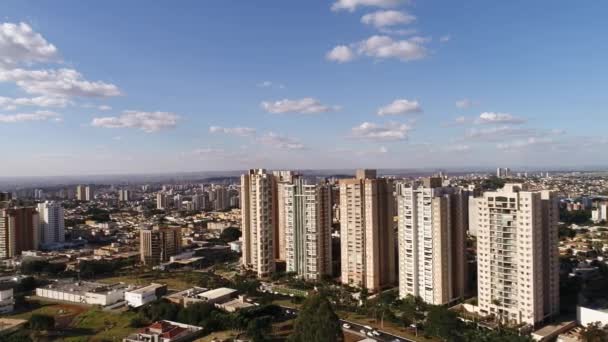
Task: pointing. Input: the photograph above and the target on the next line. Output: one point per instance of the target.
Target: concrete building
(138, 297)
(431, 237)
(220, 198)
(51, 223)
(162, 201)
(80, 193)
(165, 331)
(259, 221)
(19, 231)
(600, 213)
(83, 292)
(367, 231)
(517, 251)
(307, 219)
(282, 179)
(157, 245)
(588, 315)
(123, 195)
(7, 301)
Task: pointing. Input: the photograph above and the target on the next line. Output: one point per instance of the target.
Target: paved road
(359, 329)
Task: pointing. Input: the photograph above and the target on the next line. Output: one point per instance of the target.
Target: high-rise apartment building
(258, 214)
(158, 244)
(367, 231)
(89, 193)
(517, 252)
(19, 231)
(81, 193)
(123, 195)
(220, 198)
(52, 226)
(431, 236)
(282, 179)
(162, 201)
(307, 220)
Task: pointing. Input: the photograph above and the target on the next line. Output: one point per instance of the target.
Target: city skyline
(323, 84)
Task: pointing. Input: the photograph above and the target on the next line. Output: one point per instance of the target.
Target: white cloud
(497, 132)
(398, 32)
(460, 120)
(270, 84)
(146, 121)
(498, 118)
(386, 47)
(387, 18)
(240, 131)
(104, 107)
(524, 143)
(387, 132)
(9, 103)
(464, 103)
(458, 148)
(340, 54)
(400, 106)
(280, 141)
(307, 105)
(41, 115)
(20, 44)
(445, 39)
(58, 83)
(351, 5)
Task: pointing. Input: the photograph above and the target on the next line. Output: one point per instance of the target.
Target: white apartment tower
(517, 248)
(307, 220)
(432, 223)
(282, 180)
(162, 201)
(51, 225)
(258, 214)
(367, 231)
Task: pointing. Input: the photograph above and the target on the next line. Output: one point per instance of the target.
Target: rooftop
(145, 289)
(216, 293)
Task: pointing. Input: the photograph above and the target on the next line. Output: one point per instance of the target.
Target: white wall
(586, 316)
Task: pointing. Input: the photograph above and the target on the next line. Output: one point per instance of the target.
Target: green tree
(230, 234)
(316, 322)
(41, 322)
(594, 332)
(259, 328)
(442, 323)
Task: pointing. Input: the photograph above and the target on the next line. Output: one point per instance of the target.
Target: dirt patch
(65, 313)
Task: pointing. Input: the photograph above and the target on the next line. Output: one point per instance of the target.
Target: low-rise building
(223, 298)
(7, 302)
(165, 331)
(144, 295)
(588, 315)
(83, 292)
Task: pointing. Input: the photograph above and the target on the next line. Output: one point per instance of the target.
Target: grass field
(77, 323)
(174, 281)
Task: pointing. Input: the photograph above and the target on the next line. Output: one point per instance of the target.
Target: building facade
(367, 231)
(307, 219)
(52, 226)
(19, 231)
(259, 221)
(159, 244)
(517, 248)
(432, 223)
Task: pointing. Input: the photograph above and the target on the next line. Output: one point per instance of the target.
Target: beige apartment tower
(282, 179)
(19, 231)
(307, 229)
(259, 221)
(432, 224)
(159, 244)
(367, 231)
(517, 248)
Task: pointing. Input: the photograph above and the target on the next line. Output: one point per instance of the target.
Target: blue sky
(141, 86)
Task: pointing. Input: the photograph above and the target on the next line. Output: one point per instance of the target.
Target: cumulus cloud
(307, 105)
(240, 131)
(20, 44)
(146, 121)
(58, 83)
(351, 5)
(386, 47)
(280, 141)
(104, 107)
(340, 54)
(400, 106)
(387, 132)
(381, 47)
(498, 118)
(387, 18)
(41, 115)
(9, 103)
